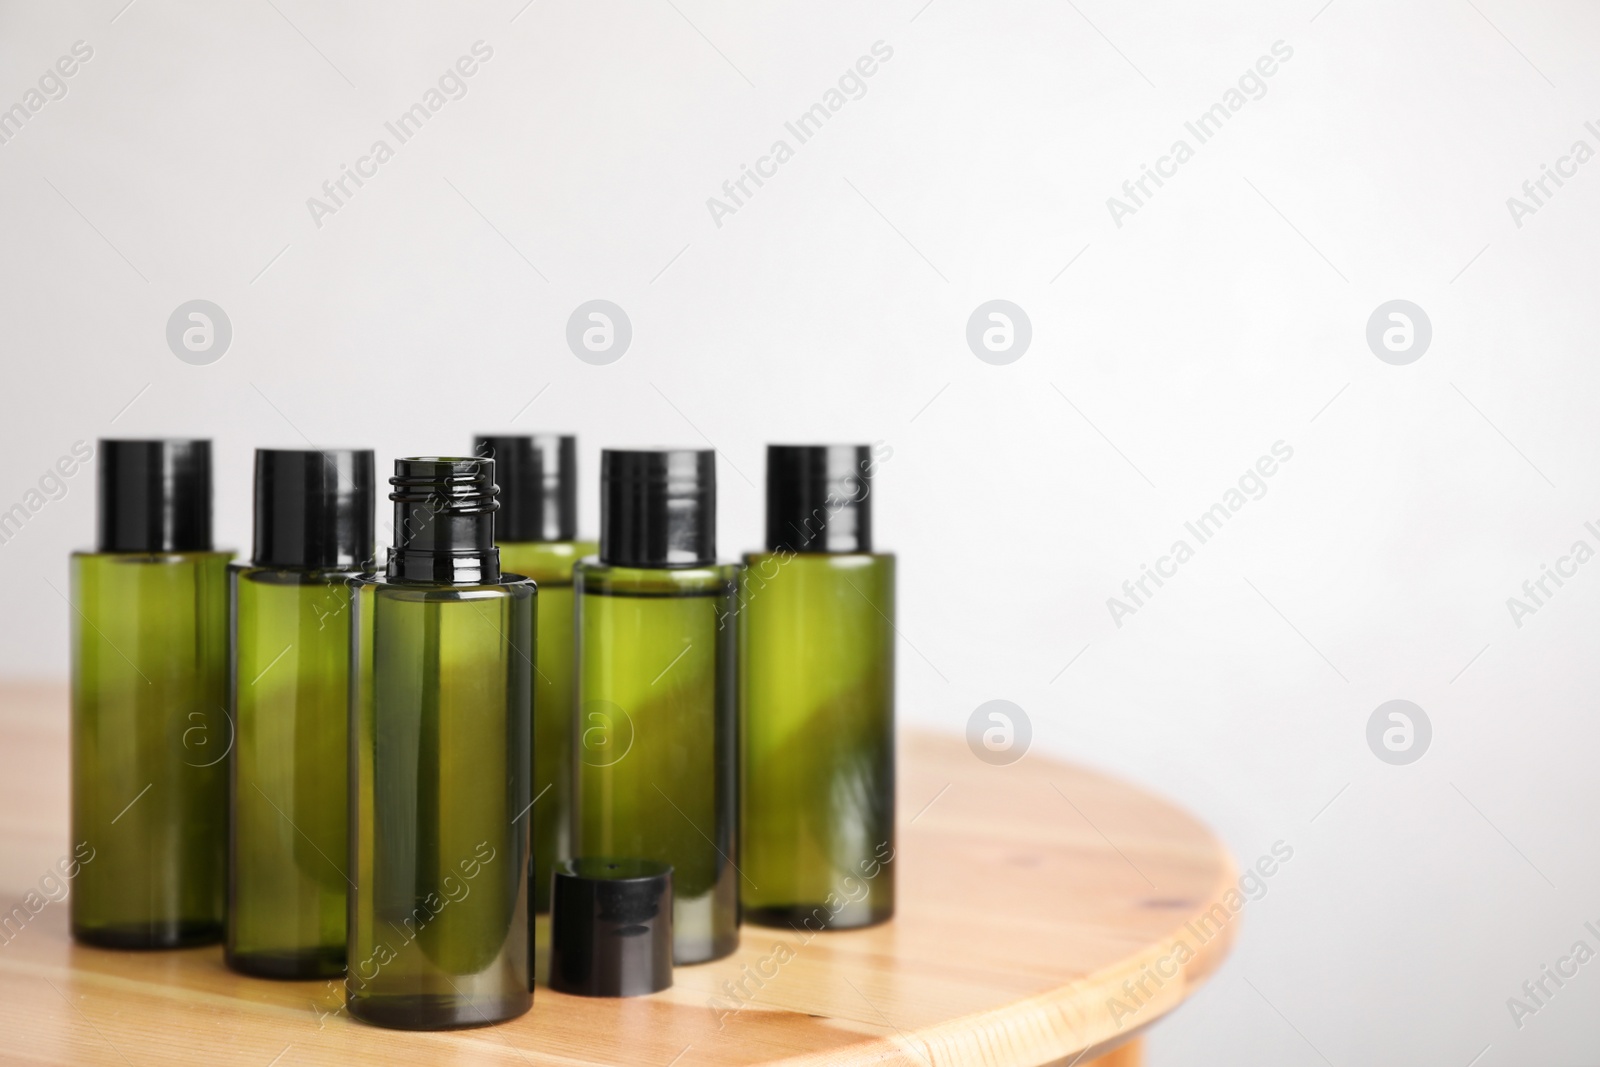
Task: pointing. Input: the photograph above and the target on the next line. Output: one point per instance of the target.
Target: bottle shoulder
(546, 562)
(820, 560)
(246, 571)
(593, 577)
(573, 550)
(217, 557)
(513, 586)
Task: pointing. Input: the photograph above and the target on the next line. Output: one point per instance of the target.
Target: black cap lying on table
(611, 927)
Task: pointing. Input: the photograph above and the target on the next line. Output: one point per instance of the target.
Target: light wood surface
(1041, 910)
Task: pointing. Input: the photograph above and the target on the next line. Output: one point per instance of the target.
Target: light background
(1169, 353)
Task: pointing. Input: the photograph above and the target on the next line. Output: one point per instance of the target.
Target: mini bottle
(150, 734)
(441, 727)
(289, 683)
(817, 618)
(657, 762)
(537, 530)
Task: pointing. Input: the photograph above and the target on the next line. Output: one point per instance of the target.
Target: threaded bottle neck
(444, 521)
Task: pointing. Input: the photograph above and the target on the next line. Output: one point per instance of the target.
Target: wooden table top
(1043, 910)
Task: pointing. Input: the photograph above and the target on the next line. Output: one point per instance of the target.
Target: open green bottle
(817, 619)
(441, 728)
(657, 745)
(150, 731)
(289, 685)
(537, 531)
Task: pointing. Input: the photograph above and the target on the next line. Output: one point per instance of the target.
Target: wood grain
(1029, 896)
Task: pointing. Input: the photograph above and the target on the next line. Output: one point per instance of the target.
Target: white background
(1227, 314)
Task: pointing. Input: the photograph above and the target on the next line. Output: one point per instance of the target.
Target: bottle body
(441, 725)
(818, 733)
(656, 736)
(150, 741)
(549, 564)
(289, 683)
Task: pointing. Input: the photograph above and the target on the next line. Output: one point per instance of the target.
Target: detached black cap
(313, 508)
(154, 496)
(819, 498)
(611, 927)
(658, 507)
(538, 479)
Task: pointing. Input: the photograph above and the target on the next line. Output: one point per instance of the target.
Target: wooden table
(1045, 913)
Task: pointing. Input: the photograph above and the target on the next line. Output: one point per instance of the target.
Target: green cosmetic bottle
(442, 717)
(537, 529)
(150, 733)
(657, 745)
(817, 611)
(289, 685)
